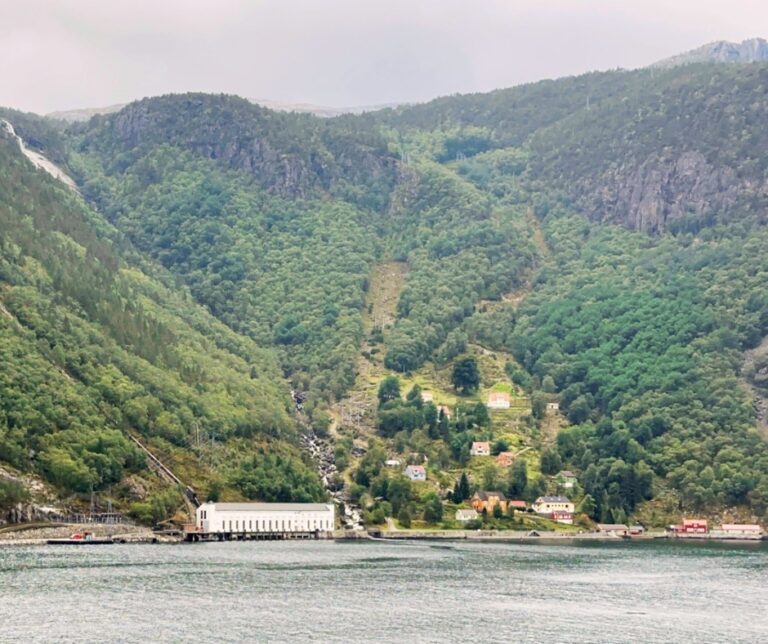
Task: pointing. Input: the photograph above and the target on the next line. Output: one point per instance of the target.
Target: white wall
(211, 519)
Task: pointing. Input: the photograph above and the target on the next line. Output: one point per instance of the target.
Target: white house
(392, 462)
(498, 400)
(567, 479)
(480, 448)
(463, 515)
(427, 396)
(252, 518)
(550, 504)
(416, 472)
(553, 407)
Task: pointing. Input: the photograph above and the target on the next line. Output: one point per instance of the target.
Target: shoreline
(127, 534)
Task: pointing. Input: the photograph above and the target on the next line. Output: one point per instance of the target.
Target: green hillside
(596, 241)
(94, 347)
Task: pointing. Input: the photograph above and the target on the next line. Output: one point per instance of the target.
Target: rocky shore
(21, 535)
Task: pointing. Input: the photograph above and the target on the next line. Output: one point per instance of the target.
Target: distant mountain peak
(751, 50)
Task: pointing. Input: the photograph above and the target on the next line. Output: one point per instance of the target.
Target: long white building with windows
(265, 520)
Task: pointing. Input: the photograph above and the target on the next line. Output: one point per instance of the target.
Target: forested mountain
(97, 343)
(604, 233)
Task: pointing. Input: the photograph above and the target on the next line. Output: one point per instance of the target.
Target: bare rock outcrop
(652, 195)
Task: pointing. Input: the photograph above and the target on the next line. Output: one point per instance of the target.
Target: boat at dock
(82, 539)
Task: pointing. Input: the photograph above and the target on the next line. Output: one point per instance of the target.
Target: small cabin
(498, 400)
(463, 515)
(480, 448)
(416, 472)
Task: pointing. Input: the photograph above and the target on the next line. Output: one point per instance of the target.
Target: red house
(563, 516)
(694, 526)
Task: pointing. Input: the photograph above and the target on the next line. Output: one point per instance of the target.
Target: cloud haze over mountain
(76, 53)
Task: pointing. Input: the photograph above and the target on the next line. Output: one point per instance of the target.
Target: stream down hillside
(320, 451)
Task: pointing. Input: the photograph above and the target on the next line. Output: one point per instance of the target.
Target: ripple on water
(341, 592)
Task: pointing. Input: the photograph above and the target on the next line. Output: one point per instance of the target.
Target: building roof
(485, 444)
(271, 507)
(484, 495)
(612, 527)
(553, 499)
(567, 474)
(498, 395)
(415, 468)
(518, 504)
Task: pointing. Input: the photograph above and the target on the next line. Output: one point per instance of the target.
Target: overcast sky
(63, 54)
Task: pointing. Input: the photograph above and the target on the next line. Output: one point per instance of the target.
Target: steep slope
(501, 211)
(290, 155)
(291, 269)
(679, 151)
(94, 347)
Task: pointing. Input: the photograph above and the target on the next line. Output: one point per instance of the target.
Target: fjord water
(380, 591)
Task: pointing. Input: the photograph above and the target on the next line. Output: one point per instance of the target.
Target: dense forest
(94, 348)
(606, 232)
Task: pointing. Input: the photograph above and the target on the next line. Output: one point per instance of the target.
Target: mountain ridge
(750, 50)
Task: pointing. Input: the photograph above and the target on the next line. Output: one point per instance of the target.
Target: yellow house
(483, 500)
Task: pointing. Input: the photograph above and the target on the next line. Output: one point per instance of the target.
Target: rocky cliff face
(653, 194)
(292, 156)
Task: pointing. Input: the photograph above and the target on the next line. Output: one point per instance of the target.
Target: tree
(433, 508)
(579, 410)
(399, 492)
(538, 405)
(443, 426)
(480, 413)
(389, 389)
(548, 384)
(430, 419)
(588, 505)
(499, 446)
(214, 491)
(404, 517)
(551, 463)
(490, 477)
(414, 396)
(466, 377)
(463, 487)
(518, 478)
(497, 513)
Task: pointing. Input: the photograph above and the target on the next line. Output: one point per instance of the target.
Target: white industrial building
(263, 519)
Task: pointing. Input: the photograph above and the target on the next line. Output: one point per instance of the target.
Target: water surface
(383, 591)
